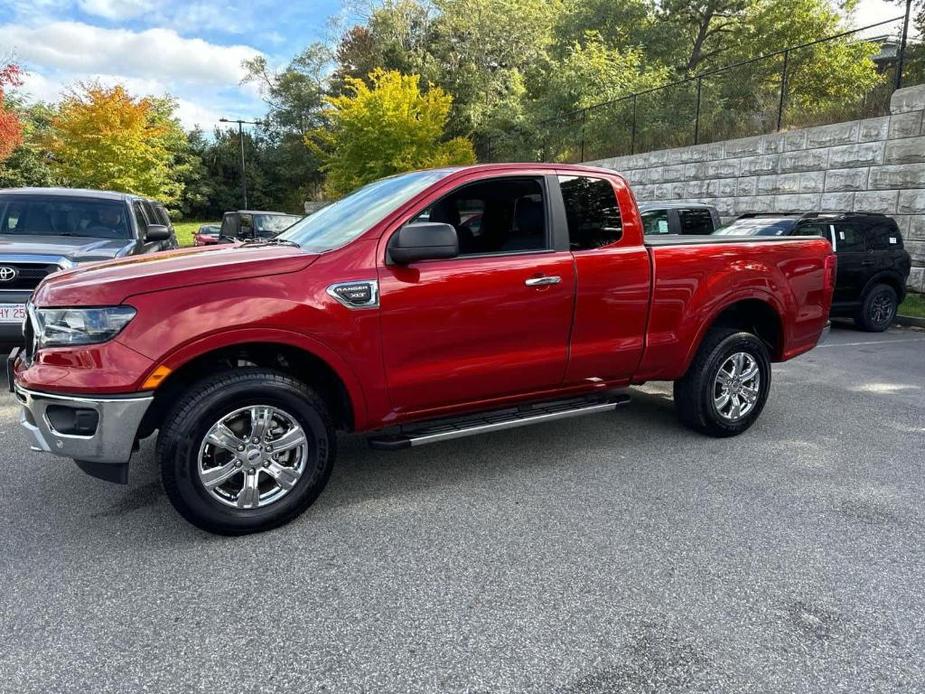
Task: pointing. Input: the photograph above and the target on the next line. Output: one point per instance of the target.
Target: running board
(497, 420)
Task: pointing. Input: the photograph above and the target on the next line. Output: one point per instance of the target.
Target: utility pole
(241, 124)
(902, 45)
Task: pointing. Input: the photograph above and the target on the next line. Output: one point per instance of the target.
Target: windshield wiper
(271, 242)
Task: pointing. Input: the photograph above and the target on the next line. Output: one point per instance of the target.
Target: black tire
(878, 309)
(694, 393)
(207, 402)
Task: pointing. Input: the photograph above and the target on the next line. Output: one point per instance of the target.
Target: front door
(491, 323)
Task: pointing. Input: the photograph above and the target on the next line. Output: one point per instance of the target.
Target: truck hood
(112, 282)
(77, 249)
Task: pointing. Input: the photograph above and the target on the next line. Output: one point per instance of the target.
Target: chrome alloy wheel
(736, 386)
(252, 457)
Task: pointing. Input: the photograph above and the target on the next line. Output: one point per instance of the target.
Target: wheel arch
(755, 314)
(891, 279)
(311, 363)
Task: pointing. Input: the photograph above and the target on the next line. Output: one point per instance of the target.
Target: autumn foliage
(10, 125)
(104, 138)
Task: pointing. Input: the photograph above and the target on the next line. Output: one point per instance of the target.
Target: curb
(910, 321)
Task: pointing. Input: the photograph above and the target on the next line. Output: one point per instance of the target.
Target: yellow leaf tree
(384, 129)
(104, 138)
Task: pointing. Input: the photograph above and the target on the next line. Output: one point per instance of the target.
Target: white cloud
(154, 53)
(116, 9)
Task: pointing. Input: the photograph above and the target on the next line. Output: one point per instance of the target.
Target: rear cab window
(697, 221)
(592, 212)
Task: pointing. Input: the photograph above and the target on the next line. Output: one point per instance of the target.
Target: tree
(385, 129)
(104, 138)
(29, 164)
(10, 126)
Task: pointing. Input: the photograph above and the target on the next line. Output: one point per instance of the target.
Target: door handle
(542, 281)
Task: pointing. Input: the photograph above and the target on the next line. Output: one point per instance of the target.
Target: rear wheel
(246, 451)
(878, 309)
(726, 386)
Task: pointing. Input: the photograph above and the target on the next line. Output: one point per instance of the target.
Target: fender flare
(185, 353)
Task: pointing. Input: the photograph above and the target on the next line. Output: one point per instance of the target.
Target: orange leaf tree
(10, 125)
(104, 138)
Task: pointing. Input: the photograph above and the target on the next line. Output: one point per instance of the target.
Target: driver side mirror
(157, 232)
(423, 241)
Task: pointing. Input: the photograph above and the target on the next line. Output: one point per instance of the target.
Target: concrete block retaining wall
(872, 165)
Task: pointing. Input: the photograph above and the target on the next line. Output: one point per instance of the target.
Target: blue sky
(190, 49)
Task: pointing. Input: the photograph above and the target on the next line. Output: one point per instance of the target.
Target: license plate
(12, 313)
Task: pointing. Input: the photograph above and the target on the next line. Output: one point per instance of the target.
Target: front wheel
(246, 451)
(726, 386)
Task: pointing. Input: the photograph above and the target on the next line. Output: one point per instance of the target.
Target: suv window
(500, 215)
(696, 221)
(814, 229)
(884, 235)
(655, 222)
(850, 237)
(592, 212)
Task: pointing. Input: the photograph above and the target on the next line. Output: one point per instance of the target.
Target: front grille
(27, 275)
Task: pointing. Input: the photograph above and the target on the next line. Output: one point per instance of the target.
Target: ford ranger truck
(423, 307)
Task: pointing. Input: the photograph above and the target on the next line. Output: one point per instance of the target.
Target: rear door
(853, 262)
(612, 301)
(491, 323)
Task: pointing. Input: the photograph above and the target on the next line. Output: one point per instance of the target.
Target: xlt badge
(359, 294)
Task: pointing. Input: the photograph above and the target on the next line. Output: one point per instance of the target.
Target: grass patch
(186, 230)
(914, 305)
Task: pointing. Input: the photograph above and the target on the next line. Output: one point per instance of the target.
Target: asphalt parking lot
(614, 552)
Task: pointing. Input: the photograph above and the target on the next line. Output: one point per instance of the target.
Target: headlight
(58, 327)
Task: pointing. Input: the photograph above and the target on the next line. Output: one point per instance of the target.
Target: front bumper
(113, 437)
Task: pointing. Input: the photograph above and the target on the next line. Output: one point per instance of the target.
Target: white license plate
(12, 313)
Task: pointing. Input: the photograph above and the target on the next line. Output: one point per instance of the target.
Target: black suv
(873, 266)
(43, 230)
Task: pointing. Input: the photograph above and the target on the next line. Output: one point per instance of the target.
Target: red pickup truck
(423, 307)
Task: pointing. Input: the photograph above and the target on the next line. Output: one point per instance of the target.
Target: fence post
(697, 117)
(633, 131)
(783, 91)
(902, 46)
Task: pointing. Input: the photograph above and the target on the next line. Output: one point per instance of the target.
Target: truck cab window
(696, 222)
(655, 222)
(494, 216)
(592, 212)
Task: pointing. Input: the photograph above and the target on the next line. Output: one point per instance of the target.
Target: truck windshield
(341, 222)
(31, 215)
(758, 226)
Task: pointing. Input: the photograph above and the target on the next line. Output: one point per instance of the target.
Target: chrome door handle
(541, 281)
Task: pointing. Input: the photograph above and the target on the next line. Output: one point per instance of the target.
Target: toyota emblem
(7, 273)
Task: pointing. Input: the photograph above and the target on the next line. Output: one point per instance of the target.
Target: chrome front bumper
(114, 435)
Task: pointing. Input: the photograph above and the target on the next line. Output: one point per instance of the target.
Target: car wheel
(246, 451)
(878, 309)
(727, 384)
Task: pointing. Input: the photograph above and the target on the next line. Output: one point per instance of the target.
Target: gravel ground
(613, 552)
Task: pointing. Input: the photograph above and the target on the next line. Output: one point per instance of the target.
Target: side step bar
(447, 429)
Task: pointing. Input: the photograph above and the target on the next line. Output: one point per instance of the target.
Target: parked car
(207, 235)
(873, 266)
(254, 224)
(43, 230)
(363, 318)
(689, 218)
